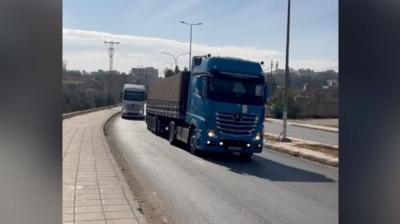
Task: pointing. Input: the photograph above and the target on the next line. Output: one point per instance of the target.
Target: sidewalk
(94, 189)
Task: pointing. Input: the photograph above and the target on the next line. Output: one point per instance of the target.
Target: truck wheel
(171, 133)
(148, 123)
(153, 124)
(245, 155)
(156, 125)
(192, 142)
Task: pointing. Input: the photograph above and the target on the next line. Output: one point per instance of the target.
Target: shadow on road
(260, 167)
(132, 118)
(264, 168)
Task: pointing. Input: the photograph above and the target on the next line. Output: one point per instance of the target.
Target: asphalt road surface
(269, 188)
(303, 133)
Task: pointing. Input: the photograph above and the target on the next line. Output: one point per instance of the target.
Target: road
(303, 133)
(270, 188)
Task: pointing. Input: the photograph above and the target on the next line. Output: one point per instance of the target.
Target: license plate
(234, 148)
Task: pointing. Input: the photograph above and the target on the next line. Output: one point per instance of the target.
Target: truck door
(198, 95)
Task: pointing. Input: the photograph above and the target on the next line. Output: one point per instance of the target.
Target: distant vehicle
(218, 107)
(133, 100)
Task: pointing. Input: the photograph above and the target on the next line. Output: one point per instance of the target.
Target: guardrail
(75, 113)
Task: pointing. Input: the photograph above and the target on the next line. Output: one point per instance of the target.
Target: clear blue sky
(244, 23)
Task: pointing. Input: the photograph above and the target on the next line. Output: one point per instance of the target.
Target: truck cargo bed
(167, 97)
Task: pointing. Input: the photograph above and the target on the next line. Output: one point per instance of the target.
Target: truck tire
(156, 125)
(171, 133)
(148, 122)
(192, 142)
(153, 124)
(245, 155)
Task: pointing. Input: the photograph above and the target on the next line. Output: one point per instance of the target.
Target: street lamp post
(190, 46)
(285, 100)
(174, 56)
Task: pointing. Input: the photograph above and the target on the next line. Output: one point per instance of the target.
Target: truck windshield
(236, 91)
(133, 96)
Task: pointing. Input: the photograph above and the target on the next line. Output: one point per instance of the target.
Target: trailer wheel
(171, 133)
(148, 122)
(157, 125)
(153, 124)
(192, 141)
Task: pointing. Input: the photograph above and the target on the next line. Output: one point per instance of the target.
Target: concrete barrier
(75, 113)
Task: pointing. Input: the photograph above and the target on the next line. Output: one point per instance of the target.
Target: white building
(144, 76)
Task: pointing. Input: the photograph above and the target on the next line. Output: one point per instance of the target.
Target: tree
(83, 90)
(168, 72)
(177, 70)
(293, 110)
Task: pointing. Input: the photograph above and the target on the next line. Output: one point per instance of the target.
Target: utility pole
(276, 72)
(285, 100)
(190, 46)
(272, 67)
(111, 47)
(269, 82)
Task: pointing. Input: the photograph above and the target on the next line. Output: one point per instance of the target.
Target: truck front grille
(236, 123)
(133, 107)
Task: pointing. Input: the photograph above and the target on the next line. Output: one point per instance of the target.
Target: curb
(132, 201)
(79, 112)
(106, 123)
(138, 200)
(304, 141)
(291, 150)
(327, 161)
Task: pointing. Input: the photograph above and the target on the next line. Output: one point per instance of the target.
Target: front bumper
(229, 145)
(132, 114)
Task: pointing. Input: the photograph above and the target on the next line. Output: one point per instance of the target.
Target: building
(144, 76)
(333, 83)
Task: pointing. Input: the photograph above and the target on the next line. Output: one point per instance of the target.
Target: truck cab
(225, 105)
(133, 100)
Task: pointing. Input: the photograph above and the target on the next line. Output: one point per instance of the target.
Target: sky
(249, 29)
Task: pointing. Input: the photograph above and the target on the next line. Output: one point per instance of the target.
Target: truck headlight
(258, 136)
(211, 133)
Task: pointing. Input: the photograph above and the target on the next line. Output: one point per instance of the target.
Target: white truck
(133, 101)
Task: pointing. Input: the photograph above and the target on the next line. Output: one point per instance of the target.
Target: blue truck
(219, 106)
